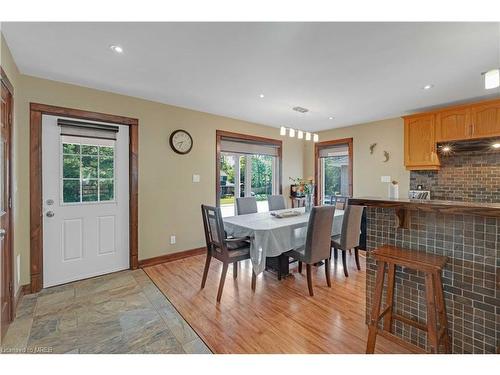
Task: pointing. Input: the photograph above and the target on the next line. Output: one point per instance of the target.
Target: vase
(309, 201)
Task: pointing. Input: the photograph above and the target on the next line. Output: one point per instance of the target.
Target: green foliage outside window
(88, 173)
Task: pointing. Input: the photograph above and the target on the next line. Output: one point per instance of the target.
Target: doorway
(6, 258)
(85, 199)
(333, 169)
(247, 166)
(75, 175)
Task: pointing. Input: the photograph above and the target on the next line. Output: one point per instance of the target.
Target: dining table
(271, 236)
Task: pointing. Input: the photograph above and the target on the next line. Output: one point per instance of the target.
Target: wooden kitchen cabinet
(420, 142)
(485, 120)
(453, 124)
(458, 123)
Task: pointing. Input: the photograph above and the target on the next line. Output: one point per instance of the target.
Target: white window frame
(82, 141)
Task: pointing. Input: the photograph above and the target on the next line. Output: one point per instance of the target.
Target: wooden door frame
(10, 232)
(36, 194)
(219, 134)
(325, 144)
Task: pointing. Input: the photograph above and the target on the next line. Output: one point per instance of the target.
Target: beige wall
(169, 203)
(367, 168)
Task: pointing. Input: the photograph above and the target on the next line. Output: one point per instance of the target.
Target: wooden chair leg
(441, 308)
(390, 296)
(300, 266)
(327, 272)
(432, 335)
(235, 270)
(376, 302)
(222, 280)
(344, 262)
(356, 257)
(335, 253)
(350, 251)
(309, 279)
(254, 280)
(205, 271)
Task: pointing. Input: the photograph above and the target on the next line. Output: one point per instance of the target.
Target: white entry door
(85, 199)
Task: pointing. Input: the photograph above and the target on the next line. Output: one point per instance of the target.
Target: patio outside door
(85, 199)
(244, 175)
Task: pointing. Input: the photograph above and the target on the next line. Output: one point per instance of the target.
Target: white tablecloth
(271, 236)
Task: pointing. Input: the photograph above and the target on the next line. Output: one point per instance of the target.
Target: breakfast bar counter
(468, 233)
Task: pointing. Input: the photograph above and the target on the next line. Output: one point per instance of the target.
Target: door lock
(50, 214)
(2, 234)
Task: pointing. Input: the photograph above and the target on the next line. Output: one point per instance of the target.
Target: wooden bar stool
(431, 265)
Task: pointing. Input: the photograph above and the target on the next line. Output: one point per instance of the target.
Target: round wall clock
(181, 141)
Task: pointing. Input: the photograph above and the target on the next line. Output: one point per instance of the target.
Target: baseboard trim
(171, 257)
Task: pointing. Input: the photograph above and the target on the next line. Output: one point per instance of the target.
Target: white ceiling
(356, 72)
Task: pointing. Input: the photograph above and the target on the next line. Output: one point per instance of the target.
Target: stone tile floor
(123, 312)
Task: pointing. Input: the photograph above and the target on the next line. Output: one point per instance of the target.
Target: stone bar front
(469, 234)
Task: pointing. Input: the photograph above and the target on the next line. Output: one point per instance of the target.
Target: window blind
(87, 129)
(334, 150)
(248, 147)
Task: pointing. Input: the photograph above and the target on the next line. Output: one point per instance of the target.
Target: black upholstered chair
(227, 250)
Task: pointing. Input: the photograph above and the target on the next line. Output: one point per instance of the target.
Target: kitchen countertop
(440, 206)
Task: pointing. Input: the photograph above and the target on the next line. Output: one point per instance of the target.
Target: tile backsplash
(466, 176)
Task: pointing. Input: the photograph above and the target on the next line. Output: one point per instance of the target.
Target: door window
(88, 172)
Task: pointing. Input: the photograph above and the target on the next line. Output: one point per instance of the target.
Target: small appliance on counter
(419, 194)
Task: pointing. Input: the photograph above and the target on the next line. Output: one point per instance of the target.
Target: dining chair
(349, 237)
(276, 202)
(339, 201)
(219, 246)
(317, 247)
(246, 205)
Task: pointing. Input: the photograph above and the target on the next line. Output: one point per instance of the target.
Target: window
(248, 167)
(87, 171)
(334, 169)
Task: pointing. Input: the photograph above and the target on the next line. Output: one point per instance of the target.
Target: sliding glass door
(247, 168)
(334, 169)
(243, 175)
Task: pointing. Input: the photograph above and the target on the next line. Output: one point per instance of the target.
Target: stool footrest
(390, 336)
(409, 321)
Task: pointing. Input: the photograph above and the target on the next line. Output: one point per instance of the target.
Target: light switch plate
(196, 178)
(385, 178)
(172, 240)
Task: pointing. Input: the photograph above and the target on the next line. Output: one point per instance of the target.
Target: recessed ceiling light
(428, 87)
(496, 145)
(116, 48)
(330, 118)
(261, 96)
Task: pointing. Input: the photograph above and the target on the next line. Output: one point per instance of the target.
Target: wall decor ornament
(372, 148)
(386, 156)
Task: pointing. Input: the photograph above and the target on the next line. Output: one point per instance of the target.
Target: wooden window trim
(36, 198)
(325, 144)
(219, 134)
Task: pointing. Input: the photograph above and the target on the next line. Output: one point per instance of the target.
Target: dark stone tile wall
(471, 278)
(465, 176)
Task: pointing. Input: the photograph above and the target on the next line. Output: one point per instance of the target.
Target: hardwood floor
(280, 317)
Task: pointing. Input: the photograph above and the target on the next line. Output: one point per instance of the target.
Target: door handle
(2, 234)
(50, 214)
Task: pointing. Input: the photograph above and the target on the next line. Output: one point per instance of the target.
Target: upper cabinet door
(420, 143)
(453, 125)
(485, 121)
